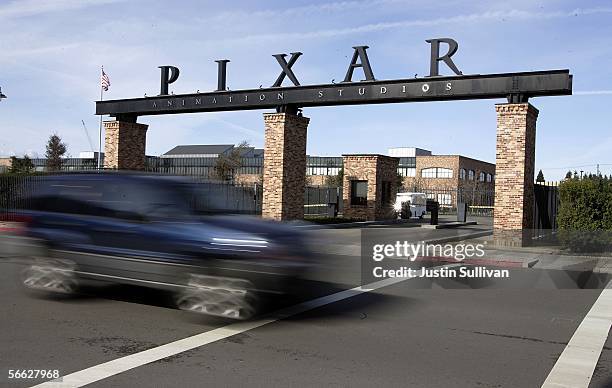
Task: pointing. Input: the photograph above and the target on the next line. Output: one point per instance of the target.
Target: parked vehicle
(155, 231)
(410, 205)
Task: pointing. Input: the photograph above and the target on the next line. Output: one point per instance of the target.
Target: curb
(449, 225)
(460, 237)
(358, 224)
(487, 262)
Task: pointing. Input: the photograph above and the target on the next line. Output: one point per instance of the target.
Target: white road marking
(119, 365)
(576, 365)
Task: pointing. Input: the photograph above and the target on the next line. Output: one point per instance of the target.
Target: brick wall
(515, 152)
(284, 166)
(124, 145)
(375, 169)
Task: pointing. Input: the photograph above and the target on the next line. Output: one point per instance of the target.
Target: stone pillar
(514, 173)
(124, 146)
(380, 174)
(284, 169)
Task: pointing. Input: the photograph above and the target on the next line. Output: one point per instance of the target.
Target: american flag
(104, 81)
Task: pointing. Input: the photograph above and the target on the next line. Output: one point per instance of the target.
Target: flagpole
(100, 128)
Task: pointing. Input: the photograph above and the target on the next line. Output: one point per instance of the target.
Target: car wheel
(50, 276)
(224, 297)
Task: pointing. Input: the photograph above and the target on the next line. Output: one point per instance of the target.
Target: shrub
(585, 214)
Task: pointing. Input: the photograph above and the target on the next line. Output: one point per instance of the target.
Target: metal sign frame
(516, 87)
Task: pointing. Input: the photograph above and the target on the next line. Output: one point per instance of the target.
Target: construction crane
(88, 138)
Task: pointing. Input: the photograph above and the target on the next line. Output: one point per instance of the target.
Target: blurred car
(155, 231)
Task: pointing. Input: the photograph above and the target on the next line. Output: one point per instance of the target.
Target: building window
(407, 161)
(445, 173)
(481, 177)
(444, 199)
(436, 172)
(428, 173)
(489, 178)
(462, 174)
(471, 175)
(407, 171)
(359, 193)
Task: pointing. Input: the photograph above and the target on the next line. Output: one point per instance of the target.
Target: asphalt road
(417, 332)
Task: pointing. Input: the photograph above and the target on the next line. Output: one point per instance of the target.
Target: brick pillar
(380, 173)
(514, 173)
(284, 169)
(124, 146)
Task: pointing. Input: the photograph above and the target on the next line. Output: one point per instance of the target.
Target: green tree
(227, 165)
(540, 178)
(55, 150)
(21, 166)
(568, 175)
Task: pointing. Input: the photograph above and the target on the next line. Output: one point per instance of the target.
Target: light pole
(2, 96)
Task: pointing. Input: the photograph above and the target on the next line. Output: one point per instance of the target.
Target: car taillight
(14, 223)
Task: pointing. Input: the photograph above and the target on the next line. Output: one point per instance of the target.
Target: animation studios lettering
(359, 61)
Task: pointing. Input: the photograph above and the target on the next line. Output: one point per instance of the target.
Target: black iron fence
(15, 188)
(225, 196)
(322, 201)
(480, 199)
(200, 166)
(546, 205)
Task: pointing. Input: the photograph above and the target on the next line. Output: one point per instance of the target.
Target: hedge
(585, 214)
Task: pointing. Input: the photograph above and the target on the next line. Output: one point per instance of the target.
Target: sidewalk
(539, 257)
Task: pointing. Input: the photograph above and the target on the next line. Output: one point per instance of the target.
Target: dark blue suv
(155, 231)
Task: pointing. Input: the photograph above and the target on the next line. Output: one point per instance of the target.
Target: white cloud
(459, 19)
(339, 6)
(23, 8)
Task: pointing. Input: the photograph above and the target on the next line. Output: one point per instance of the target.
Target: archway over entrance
(285, 130)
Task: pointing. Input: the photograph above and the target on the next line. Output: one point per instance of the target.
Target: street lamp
(2, 95)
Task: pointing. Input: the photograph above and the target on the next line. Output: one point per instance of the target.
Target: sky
(51, 52)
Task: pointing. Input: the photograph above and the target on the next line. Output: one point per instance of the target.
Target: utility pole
(597, 169)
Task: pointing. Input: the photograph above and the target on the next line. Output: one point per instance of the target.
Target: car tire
(50, 276)
(218, 296)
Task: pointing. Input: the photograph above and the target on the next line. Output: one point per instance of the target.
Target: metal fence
(322, 201)
(225, 196)
(546, 206)
(14, 189)
(69, 164)
(200, 166)
(480, 200)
